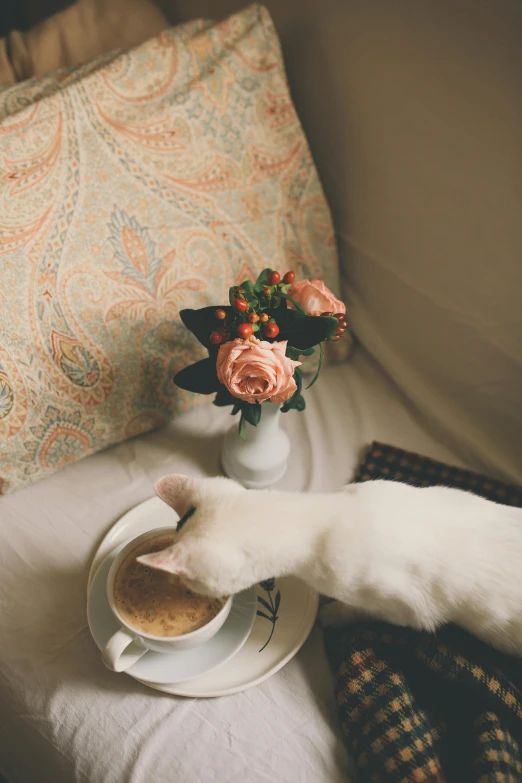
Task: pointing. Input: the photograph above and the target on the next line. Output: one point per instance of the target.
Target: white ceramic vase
(260, 458)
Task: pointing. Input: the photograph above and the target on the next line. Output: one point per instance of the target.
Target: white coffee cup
(129, 644)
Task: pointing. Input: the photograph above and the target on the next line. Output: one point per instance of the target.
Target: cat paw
(336, 614)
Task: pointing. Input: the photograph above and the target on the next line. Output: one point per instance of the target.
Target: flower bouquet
(255, 342)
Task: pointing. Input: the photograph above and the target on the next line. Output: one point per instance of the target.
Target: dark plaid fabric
(426, 707)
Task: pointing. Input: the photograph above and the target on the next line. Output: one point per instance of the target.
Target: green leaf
(277, 306)
(232, 294)
(303, 331)
(200, 377)
(289, 299)
(251, 413)
(248, 286)
(224, 397)
(262, 280)
(242, 429)
(298, 377)
(316, 376)
(265, 603)
(296, 401)
(295, 353)
(253, 301)
(202, 322)
(236, 408)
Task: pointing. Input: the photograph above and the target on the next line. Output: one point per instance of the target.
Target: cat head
(207, 554)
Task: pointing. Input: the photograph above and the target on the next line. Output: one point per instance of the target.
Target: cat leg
(336, 614)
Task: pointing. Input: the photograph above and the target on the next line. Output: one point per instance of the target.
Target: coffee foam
(155, 602)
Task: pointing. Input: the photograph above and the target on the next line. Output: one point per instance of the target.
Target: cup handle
(115, 654)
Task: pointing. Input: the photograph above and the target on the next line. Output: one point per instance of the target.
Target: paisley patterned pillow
(151, 183)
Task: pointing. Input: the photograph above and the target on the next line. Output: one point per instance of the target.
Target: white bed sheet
(64, 717)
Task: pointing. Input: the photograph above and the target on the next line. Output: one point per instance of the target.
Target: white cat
(416, 557)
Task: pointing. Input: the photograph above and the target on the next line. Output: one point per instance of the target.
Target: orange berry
(264, 317)
(216, 338)
(240, 305)
(267, 291)
(271, 330)
(274, 278)
(221, 314)
(289, 278)
(244, 330)
(253, 318)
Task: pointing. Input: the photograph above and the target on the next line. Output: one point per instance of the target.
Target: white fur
(416, 557)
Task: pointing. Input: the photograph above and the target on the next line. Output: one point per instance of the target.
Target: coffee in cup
(155, 602)
(154, 609)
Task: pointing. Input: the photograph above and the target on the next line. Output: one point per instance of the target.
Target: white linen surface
(64, 717)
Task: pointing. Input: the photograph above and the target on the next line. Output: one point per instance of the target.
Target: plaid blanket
(427, 707)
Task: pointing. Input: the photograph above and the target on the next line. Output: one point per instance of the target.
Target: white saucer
(156, 668)
(269, 646)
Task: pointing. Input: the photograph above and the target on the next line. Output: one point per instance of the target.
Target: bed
(64, 717)
(422, 183)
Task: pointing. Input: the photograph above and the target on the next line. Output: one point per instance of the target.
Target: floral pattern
(6, 397)
(59, 439)
(132, 188)
(149, 287)
(269, 607)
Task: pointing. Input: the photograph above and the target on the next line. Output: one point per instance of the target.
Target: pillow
(79, 33)
(148, 185)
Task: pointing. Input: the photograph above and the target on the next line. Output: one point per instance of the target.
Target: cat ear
(173, 559)
(176, 490)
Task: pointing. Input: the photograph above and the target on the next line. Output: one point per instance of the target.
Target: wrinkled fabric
(64, 717)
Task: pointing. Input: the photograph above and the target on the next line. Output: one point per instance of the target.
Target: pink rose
(256, 370)
(315, 298)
